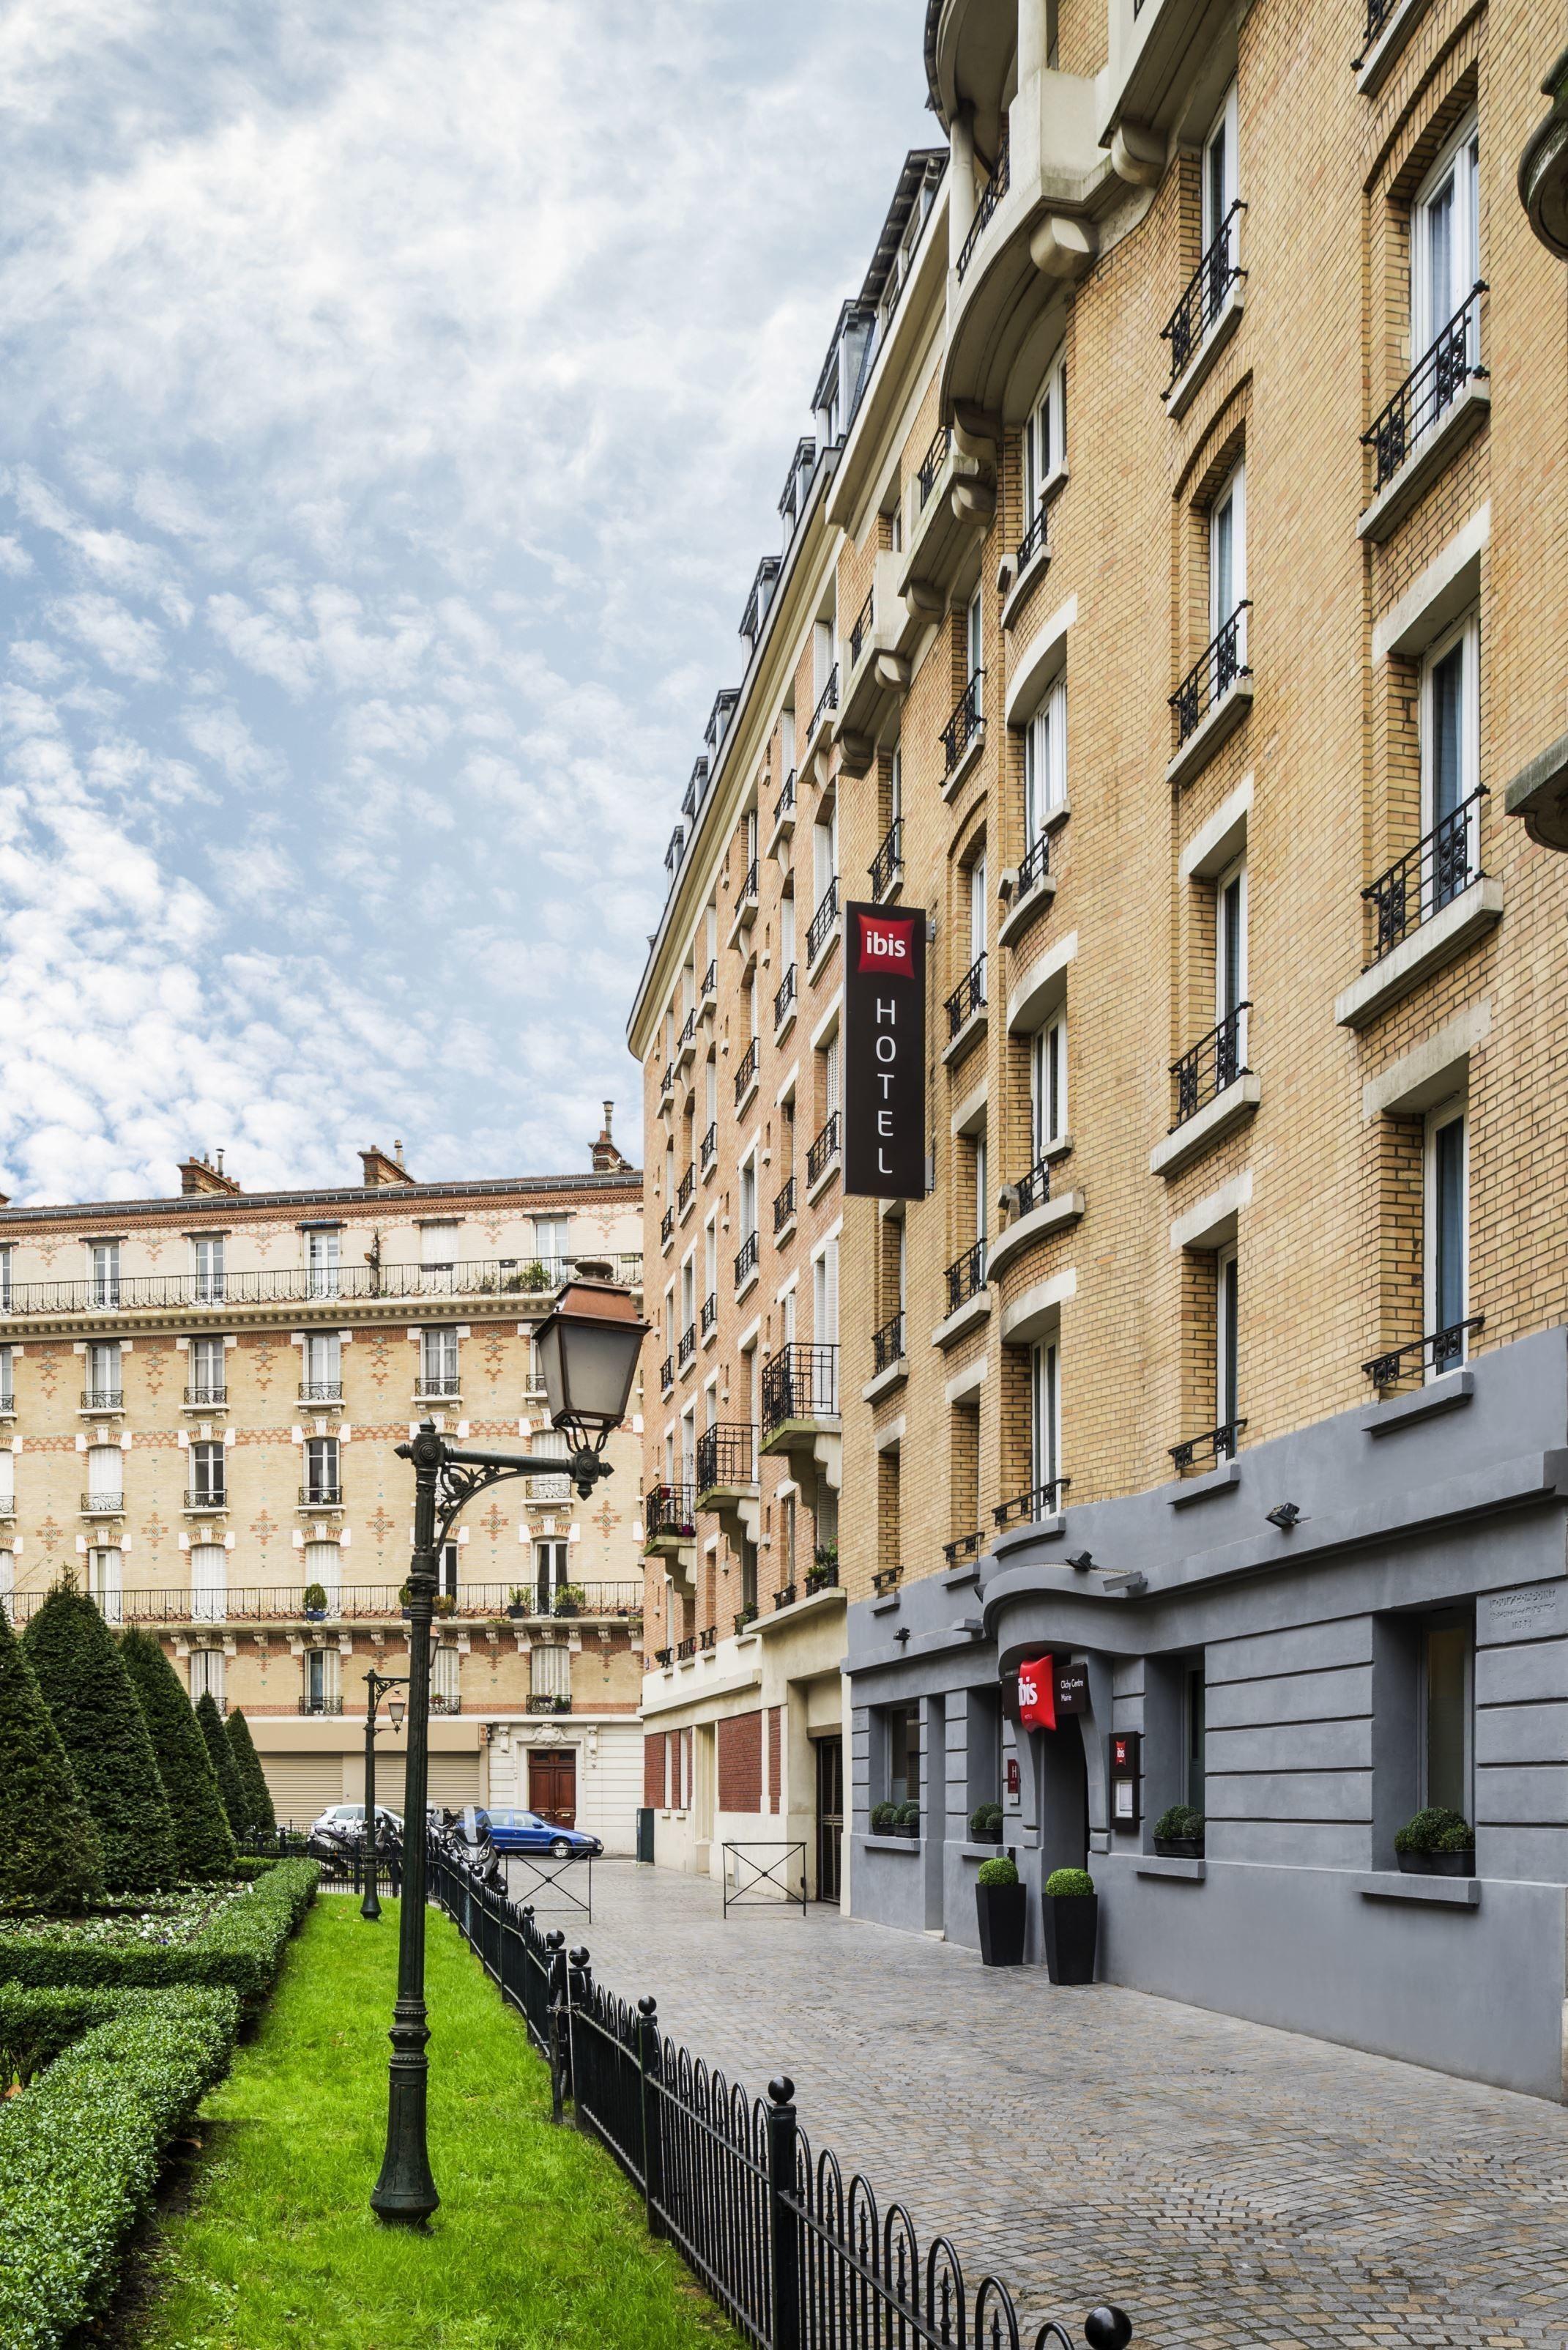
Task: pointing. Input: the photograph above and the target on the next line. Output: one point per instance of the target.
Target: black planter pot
(1072, 1924)
(1004, 1913)
(516, 1613)
(985, 1835)
(1452, 1864)
(1178, 1847)
(1416, 1863)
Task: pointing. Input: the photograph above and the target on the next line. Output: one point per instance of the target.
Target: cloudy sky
(396, 396)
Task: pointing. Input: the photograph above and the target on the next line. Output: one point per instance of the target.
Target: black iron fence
(746, 1258)
(1215, 1062)
(1034, 1189)
(889, 861)
(1204, 296)
(966, 1276)
(668, 1510)
(1210, 1449)
(823, 1150)
(1035, 865)
(888, 1343)
(800, 1382)
(784, 1205)
(726, 1456)
(1431, 387)
(825, 701)
(991, 195)
(968, 997)
(797, 2257)
(1439, 869)
(1440, 1351)
(1216, 668)
(823, 922)
(965, 726)
(860, 634)
(784, 995)
(1040, 1501)
(350, 1602)
(746, 1075)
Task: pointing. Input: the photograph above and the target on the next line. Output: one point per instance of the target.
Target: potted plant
(746, 1615)
(1002, 1906)
(884, 1819)
(315, 1602)
(1436, 1843)
(908, 1820)
(985, 1826)
(535, 1276)
(444, 1604)
(571, 1600)
(1179, 1833)
(821, 1574)
(517, 1603)
(1071, 1923)
(404, 1596)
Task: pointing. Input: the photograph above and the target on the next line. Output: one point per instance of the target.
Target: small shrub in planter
(570, 1599)
(314, 1601)
(1071, 1925)
(444, 1604)
(985, 1826)
(1436, 1843)
(884, 1819)
(516, 1605)
(1002, 1908)
(909, 1819)
(1179, 1833)
(823, 1572)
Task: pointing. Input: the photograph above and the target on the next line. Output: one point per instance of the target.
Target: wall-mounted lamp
(1284, 1517)
(1081, 1559)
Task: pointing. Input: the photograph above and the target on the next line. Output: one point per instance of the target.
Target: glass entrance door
(829, 1816)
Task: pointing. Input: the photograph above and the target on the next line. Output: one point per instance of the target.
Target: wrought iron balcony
(687, 1349)
(1215, 1062)
(710, 980)
(991, 195)
(1035, 865)
(320, 1391)
(1378, 14)
(211, 1396)
(377, 1602)
(103, 1399)
(823, 922)
(445, 1701)
(784, 1204)
(686, 1647)
(726, 1456)
(1439, 869)
(321, 1705)
(710, 1147)
(1429, 389)
(1033, 542)
(800, 1383)
(968, 997)
(437, 1386)
(1204, 296)
(667, 1375)
(668, 1511)
(860, 634)
(710, 1313)
(316, 1494)
(1034, 1189)
(747, 893)
(784, 995)
(885, 1579)
(785, 803)
(931, 464)
(103, 1505)
(1040, 1501)
(1213, 675)
(966, 1276)
(667, 1227)
(540, 1702)
(688, 1036)
(1215, 1445)
(825, 701)
(746, 1258)
(708, 1638)
(745, 1075)
(745, 1617)
(964, 1547)
(785, 1596)
(965, 726)
(1441, 1350)
(823, 1152)
(665, 1657)
(686, 1190)
(492, 1276)
(889, 861)
(888, 1343)
(667, 1081)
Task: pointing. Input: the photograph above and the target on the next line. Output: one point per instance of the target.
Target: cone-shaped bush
(50, 1855)
(93, 1705)
(236, 1804)
(202, 1844)
(253, 1778)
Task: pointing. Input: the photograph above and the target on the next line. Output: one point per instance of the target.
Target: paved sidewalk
(1226, 2183)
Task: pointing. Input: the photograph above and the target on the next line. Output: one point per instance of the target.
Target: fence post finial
(1107, 2327)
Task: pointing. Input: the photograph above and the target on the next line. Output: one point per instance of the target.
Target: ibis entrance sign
(884, 1053)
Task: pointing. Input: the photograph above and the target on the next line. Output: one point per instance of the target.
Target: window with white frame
(555, 1445)
(1227, 1333)
(1044, 1413)
(8, 1379)
(1451, 764)
(8, 1576)
(321, 1364)
(1447, 1232)
(1220, 186)
(444, 1669)
(982, 1168)
(106, 1584)
(208, 1371)
(437, 1361)
(103, 1271)
(977, 908)
(1445, 242)
(447, 1569)
(321, 1471)
(323, 1680)
(104, 1391)
(1046, 438)
(824, 1295)
(438, 1254)
(209, 1582)
(106, 1476)
(1045, 762)
(550, 1575)
(974, 645)
(552, 1236)
(206, 1675)
(6, 1253)
(208, 1250)
(7, 1482)
(1228, 570)
(550, 1671)
(322, 1253)
(748, 1198)
(1048, 1083)
(1231, 959)
(206, 1487)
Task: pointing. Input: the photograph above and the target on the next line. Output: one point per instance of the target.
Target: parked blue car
(512, 1831)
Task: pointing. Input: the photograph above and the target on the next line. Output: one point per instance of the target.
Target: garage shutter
(303, 1786)
(389, 1770)
(454, 1780)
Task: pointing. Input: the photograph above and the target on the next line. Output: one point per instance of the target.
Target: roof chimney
(200, 1176)
(380, 1170)
(606, 1158)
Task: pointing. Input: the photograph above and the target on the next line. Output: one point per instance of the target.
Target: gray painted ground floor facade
(1308, 1689)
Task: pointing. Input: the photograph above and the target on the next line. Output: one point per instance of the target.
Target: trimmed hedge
(241, 1948)
(79, 2150)
(202, 1844)
(84, 1685)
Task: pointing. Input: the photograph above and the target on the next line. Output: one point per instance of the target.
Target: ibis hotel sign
(884, 1053)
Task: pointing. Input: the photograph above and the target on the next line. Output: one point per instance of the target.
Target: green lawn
(538, 2242)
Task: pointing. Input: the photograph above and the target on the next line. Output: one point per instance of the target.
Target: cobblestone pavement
(1227, 2184)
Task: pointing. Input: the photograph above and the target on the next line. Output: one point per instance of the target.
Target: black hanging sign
(885, 1052)
(1072, 1688)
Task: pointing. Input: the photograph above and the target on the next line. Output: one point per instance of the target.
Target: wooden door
(553, 1785)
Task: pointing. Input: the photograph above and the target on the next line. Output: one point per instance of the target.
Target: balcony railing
(1039, 1502)
(991, 195)
(211, 1397)
(1378, 14)
(1439, 869)
(964, 1547)
(825, 701)
(888, 1343)
(785, 803)
(445, 1701)
(1035, 865)
(1215, 1062)
(1033, 542)
(745, 1075)
(710, 1147)
(965, 726)
(689, 1032)
(316, 1494)
(747, 893)
(1034, 1189)
(800, 1383)
(823, 922)
(103, 1505)
(784, 1204)
(1441, 1350)
(785, 1596)
(687, 1349)
(966, 1276)
(784, 995)
(285, 1604)
(710, 980)
(667, 1081)
(321, 1705)
(664, 1657)
(1215, 1445)
(668, 1510)
(746, 1258)
(968, 997)
(710, 1313)
(329, 1391)
(540, 1702)
(667, 1227)
(1213, 675)
(726, 1456)
(823, 1152)
(860, 634)
(1431, 387)
(667, 1375)
(708, 1638)
(686, 1647)
(686, 1190)
(437, 1386)
(103, 1399)
(931, 464)
(889, 861)
(504, 1276)
(1204, 296)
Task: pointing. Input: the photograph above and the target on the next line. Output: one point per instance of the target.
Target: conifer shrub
(50, 1853)
(94, 1707)
(263, 1818)
(204, 1845)
(236, 1804)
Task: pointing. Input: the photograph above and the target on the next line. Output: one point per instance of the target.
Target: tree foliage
(50, 1853)
(262, 1819)
(236, 1804)
(204, 1845)
(94, 1707)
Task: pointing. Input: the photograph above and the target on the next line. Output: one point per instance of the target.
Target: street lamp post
(588, 1349)
(377, 1684)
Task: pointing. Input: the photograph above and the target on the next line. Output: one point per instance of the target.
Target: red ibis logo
(887, 944)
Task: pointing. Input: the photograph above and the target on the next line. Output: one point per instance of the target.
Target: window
(1046, 762)
(1231, 955)
(207, 1475)
(321, 1485)
(1046, 438)
(551, 1236)
(106, 1471)
(1446, 1232)
(103, 1268)
(104, 1583)
(1451, 764)
(6, 1253)
(103, 1387)
(1228, 569)
(7, 1574)
(322, 1681)
(321, 1253)
(1226, 1327)
(748, 1199)
(1195, 1710)
(207, 1676)
(7, 1380)
(322, 1361)
(1445, 241)
(824, 1295)
(555, 1445)
(209, 1582)
(438, 1254)
(445, 1669)
(977, 908)
(902, 1727)
(438, 1362)
(446, 1570)
(550, 1574)
(1048, 1085)
(1045, 1414)
(208, 1374)
(550, 1672)
(980, 1169)
(1219, 186)
(7, 1483)
(1446, 1693)
(209, 1255)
